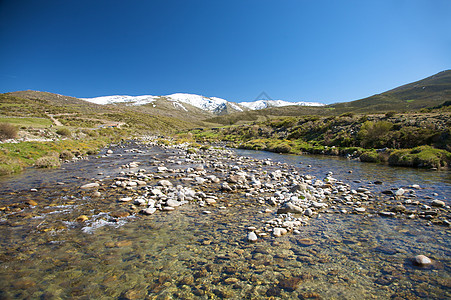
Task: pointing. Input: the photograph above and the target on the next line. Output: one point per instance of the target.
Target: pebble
(422, 260)
(252, 237)
(149, 210)
(279, 231)
(438, 203)
(90, 185)
(125, 199)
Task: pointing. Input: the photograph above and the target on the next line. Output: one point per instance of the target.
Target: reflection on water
(186, 254)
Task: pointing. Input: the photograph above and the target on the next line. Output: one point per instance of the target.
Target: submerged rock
(422, 260)
(90, 186)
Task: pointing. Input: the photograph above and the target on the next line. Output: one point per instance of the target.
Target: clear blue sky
(295, 50)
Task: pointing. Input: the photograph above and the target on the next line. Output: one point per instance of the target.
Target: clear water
(185, 254)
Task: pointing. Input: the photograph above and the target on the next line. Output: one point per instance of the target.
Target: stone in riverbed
(173, 203)
(289, 207)
(90, 186)
(82, 218)
(252, 237)
(149, 211)
(31, 202)
(306, 242)
(125, 199)
(422, 260)
(438, 203)
(165, 183)
(387, 214)
(279, 231)
(400, 192)
(360, 209)
(290, 284)
(120, 214)
(308, 212)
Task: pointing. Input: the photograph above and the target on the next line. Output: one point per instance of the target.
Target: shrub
(375, 134)
(423, 157)
(8, 131)
(64, 132)
(49, 161)
(369, 157)
(9, 165)
(281, 148)
(390, 114)
(66, 155)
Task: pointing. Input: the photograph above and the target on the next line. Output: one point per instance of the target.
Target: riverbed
(201, 252)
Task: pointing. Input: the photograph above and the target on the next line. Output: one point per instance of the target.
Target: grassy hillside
(430, 92)
(426, 93)
(76, 113)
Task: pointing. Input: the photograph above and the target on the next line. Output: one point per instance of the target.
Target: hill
(426, 93)
(77, 113)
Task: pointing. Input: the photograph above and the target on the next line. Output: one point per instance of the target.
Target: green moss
(422, 157)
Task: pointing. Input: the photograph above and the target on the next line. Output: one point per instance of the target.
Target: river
(187, 254)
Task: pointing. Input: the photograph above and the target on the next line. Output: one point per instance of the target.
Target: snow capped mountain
(261, 104)
(211, 104)
(135, 100)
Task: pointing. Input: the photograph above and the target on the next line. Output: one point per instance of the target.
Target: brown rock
(120, 214)
(306, 242)
(31, 202)
(124, 243)
(82, 218)
(289, 284)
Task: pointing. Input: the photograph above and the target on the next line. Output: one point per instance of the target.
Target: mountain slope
(429, 92)
(83, 114)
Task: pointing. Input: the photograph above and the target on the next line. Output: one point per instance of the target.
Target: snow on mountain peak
(261, 104)
(211, 104)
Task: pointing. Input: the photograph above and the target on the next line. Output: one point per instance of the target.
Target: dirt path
(55, 121)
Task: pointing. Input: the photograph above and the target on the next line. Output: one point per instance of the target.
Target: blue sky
(326, 51)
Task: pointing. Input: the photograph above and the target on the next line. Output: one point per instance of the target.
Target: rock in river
(252, 237)
(422, 260)
(438, 203)
(90, 186)
(289, 207)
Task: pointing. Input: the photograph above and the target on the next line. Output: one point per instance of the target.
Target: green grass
(27, 122)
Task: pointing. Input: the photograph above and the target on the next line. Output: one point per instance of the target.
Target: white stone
(149, 210)
(279, 231)
(422, 260)
(90, 185)
(252, 237)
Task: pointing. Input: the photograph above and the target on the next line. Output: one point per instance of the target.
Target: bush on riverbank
(48, 161)
(8, 131)
(423, 157)
(9, 165)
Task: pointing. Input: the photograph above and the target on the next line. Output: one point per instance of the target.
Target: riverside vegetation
(413, 140)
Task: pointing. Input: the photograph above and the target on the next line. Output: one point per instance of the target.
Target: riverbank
(15, 155)
(410, 140)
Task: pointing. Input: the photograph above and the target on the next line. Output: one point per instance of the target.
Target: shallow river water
(187, 254)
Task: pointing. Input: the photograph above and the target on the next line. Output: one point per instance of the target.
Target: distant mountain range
(213, 105)
(186, 110)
